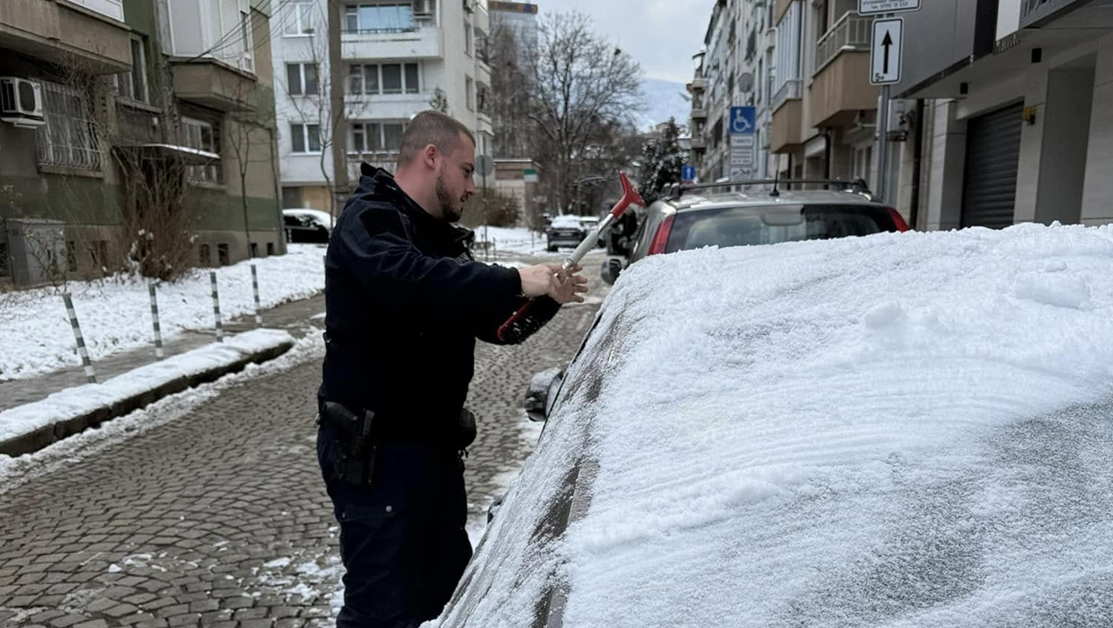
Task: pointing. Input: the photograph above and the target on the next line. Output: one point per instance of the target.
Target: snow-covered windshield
(899, 430)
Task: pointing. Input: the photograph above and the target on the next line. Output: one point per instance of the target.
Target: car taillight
(898, 220)
(661, 238)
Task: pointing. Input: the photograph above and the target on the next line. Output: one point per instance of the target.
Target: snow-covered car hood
(900, 430)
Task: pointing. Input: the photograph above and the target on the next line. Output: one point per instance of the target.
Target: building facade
(106, 99)
(1017, 110)
(399, 58)
(731, 71)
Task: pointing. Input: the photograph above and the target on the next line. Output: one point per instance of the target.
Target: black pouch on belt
(357, 448)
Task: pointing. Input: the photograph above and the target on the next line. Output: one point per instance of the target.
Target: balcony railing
(851, 32)
(791, 89)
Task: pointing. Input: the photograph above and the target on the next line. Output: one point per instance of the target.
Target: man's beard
(450, 211)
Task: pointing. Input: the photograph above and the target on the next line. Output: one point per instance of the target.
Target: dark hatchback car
(716, 216)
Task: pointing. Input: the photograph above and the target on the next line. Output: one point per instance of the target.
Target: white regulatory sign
(879, 7)
(885, 54)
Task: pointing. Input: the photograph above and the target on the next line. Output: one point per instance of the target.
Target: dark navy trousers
(402, 540)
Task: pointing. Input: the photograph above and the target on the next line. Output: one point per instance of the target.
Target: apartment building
(1018, 111)
(97, 96)
(400, 58)
(732, 70)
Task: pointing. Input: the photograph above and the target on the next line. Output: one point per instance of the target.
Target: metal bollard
(90, 373)
(216, 308)
(154, 321)
(255, 287)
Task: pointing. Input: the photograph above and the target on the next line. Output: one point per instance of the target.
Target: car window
(773, 224)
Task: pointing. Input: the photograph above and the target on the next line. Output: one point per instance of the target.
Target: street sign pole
(886, 51)
(883, 144)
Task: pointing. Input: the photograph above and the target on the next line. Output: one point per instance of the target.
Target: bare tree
(248, 134)
(579, 84)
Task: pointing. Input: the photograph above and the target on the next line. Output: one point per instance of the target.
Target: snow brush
(529, 319)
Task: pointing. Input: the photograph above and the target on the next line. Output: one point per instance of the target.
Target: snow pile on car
(900, 430)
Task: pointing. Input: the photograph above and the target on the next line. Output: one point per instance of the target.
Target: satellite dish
(746, 82)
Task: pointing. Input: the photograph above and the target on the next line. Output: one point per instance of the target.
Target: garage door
(992, 154)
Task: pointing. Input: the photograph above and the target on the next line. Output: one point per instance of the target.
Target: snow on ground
(15, 472)
(515, 240)
(82, 400)
(883, 431)
(35, 334)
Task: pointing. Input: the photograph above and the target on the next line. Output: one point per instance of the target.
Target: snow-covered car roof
(566, 221)
(316, 216)
(899, 430)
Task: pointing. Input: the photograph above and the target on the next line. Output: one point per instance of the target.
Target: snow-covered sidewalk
(35, 334)
(34, 425)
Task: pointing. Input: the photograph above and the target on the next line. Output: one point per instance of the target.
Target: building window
(301, 79)
(375, 137)
(245, 39)
(482, 46)
(270, 249)
(305, 138)
(99, 252)
(386, 78)
(67, 139)
(254, 249)
(201, 136)
(206, 255)
(482, 97)
(133, 85)
(469, 87)
(467, 38)
(222, 254)
(386, 17)
(291, 197)
(300, 21)
(71, 256)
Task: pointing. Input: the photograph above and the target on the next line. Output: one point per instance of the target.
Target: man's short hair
(431, 127)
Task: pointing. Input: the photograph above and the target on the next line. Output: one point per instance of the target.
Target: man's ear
(430, 156)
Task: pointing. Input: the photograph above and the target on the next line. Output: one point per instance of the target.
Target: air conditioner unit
(21, 102)
(423, 8)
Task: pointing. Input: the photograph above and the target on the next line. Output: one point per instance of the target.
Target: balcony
(419, 42)
(86, 32)
(699, 111)
(850, 34)
(791, 90)
(212, 83)
(386, 106)
(698, 84)
(787, 131)
(698, 143)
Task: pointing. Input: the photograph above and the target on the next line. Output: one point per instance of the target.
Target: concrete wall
(1066, 139)
(1097, 197)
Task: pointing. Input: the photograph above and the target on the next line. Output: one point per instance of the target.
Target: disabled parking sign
(742, 120)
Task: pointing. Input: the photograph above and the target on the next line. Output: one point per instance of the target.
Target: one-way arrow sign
(885, 55)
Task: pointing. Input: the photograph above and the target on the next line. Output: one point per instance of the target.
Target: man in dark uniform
(405, 303)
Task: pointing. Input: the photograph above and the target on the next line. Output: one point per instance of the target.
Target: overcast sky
(662, 35)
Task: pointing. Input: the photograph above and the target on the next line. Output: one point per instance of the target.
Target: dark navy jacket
(405, 302)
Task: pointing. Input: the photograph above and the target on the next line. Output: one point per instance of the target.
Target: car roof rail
(858, 186)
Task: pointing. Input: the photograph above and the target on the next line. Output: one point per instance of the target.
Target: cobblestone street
(219, 518)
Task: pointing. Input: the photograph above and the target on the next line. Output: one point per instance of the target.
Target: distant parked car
(564, 231)
(305, 225)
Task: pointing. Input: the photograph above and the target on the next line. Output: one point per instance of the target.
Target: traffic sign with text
(881, 7)
(885, 53)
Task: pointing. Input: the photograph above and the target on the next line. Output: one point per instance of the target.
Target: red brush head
(630, 196)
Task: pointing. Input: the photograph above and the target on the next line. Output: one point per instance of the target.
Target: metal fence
(790, 89)
(851, 32)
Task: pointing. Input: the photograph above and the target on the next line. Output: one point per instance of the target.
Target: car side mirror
(542, 394)
(611, 270)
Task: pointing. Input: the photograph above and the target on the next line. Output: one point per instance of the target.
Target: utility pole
(338, 121)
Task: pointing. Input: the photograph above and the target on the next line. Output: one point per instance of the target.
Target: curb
(50, 434)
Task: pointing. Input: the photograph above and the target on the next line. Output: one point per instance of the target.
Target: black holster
(356, 463)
